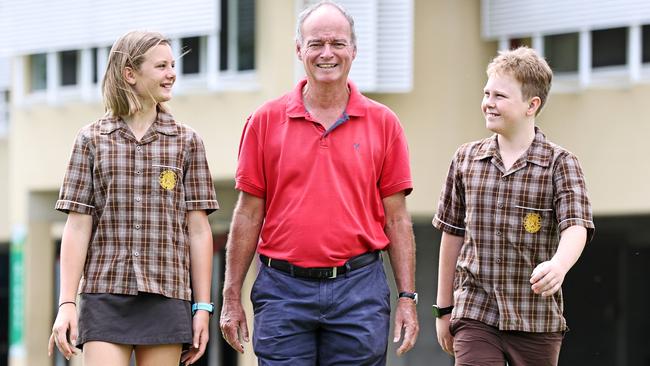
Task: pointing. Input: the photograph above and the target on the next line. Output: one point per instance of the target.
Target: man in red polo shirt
(323, 173)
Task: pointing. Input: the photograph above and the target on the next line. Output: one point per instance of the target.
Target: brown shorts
(476, 343)
(143, 319)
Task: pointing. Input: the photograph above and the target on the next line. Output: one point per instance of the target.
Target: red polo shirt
(323, 189)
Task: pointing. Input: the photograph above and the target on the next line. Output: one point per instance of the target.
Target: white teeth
(326, 66)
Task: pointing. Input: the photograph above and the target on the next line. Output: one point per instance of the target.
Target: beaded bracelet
(67, 302)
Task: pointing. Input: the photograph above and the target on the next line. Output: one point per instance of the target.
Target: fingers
(410, 336)
(244, 332)
(59, 337)
(406, 319)
(230, 332)
(50, 345)
(447, 344)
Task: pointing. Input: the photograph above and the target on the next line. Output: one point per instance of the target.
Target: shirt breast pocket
(535, 223)
(166, 180)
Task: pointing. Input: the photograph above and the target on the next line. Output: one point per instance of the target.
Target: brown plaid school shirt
(511, 222)
(138, 194)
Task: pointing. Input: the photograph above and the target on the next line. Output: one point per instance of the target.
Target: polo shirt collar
(296, 108)
(164, 124)
(540, 151)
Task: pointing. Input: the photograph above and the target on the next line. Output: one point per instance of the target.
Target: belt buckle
(333, 273)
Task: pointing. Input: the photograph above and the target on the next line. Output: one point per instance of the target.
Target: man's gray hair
(310, 9)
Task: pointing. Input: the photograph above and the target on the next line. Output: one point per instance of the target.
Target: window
(561, 52)
(518, 42)
(94, 52)
(68, 66)
(37, 72)
(609, 47)
(191, 49)
(645, 43)
(237, 37)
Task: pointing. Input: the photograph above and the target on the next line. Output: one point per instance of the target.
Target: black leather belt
(320, 273)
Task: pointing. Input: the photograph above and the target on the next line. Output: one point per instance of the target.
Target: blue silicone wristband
(203, 306)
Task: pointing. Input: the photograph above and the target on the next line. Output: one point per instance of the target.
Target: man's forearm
(401, 249)
(242, 242)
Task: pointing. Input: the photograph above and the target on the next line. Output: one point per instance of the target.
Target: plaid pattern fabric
(138, 194)
(511, 222)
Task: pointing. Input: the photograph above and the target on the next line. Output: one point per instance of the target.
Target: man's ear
(533, 105)
(129, 75)
(298, 51)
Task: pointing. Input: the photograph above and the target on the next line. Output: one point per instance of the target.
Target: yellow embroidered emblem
(532, 222)
(168, 179)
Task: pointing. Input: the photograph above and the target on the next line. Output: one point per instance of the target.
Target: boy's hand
(547, 278)
(445, 338)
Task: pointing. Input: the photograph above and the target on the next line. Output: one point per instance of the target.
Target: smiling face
(503, 105)
(326, 50)
(154, 80)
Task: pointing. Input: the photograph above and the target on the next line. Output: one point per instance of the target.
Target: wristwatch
(440, 312)
(410, 295)
(203, 306)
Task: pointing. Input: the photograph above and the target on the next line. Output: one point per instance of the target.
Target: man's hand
(406, 319)
(445, 338)
(547, 278)
(200, 336)
(233, 324)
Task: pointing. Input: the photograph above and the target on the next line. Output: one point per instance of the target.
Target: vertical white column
(85, 73)
(18, 79)
(538, 44)
(584, 58)
(634, 52)
(53, 77)
(212, 60)
(102, 62)
(177, 48)
(504, 44)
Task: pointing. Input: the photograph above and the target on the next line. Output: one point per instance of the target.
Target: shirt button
(136, 253)
(139, 148)
(498, 233)
(138, 199)
(504, 178)
(498, 260)
(137, 226)
(138, 172)
(500, 205)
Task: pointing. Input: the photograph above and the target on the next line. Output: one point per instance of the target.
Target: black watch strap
(440, 312)
(410, 295)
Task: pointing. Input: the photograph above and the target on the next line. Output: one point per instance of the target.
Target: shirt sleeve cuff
(209, 206)
(66, 206)
(587, 224)
(447, 227)
(406, 186)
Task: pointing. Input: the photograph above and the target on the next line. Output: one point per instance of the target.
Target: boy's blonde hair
(527, 67)
(119, 96)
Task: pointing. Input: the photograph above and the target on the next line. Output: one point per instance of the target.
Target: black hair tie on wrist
(67, 302)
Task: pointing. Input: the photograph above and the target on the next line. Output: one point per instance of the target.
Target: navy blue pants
(304, 322)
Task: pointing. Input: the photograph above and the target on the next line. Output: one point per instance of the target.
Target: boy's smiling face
(504, 106)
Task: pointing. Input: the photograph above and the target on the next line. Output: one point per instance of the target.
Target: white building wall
(517, 17)
(73, 24)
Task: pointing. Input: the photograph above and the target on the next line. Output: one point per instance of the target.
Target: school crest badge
(168, 179)
(532, 222)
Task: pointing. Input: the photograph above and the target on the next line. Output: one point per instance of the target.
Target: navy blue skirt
(144, 319)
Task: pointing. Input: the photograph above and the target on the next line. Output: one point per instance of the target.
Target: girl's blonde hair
(119, 96)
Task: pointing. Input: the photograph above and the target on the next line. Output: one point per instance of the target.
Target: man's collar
(296, 107)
